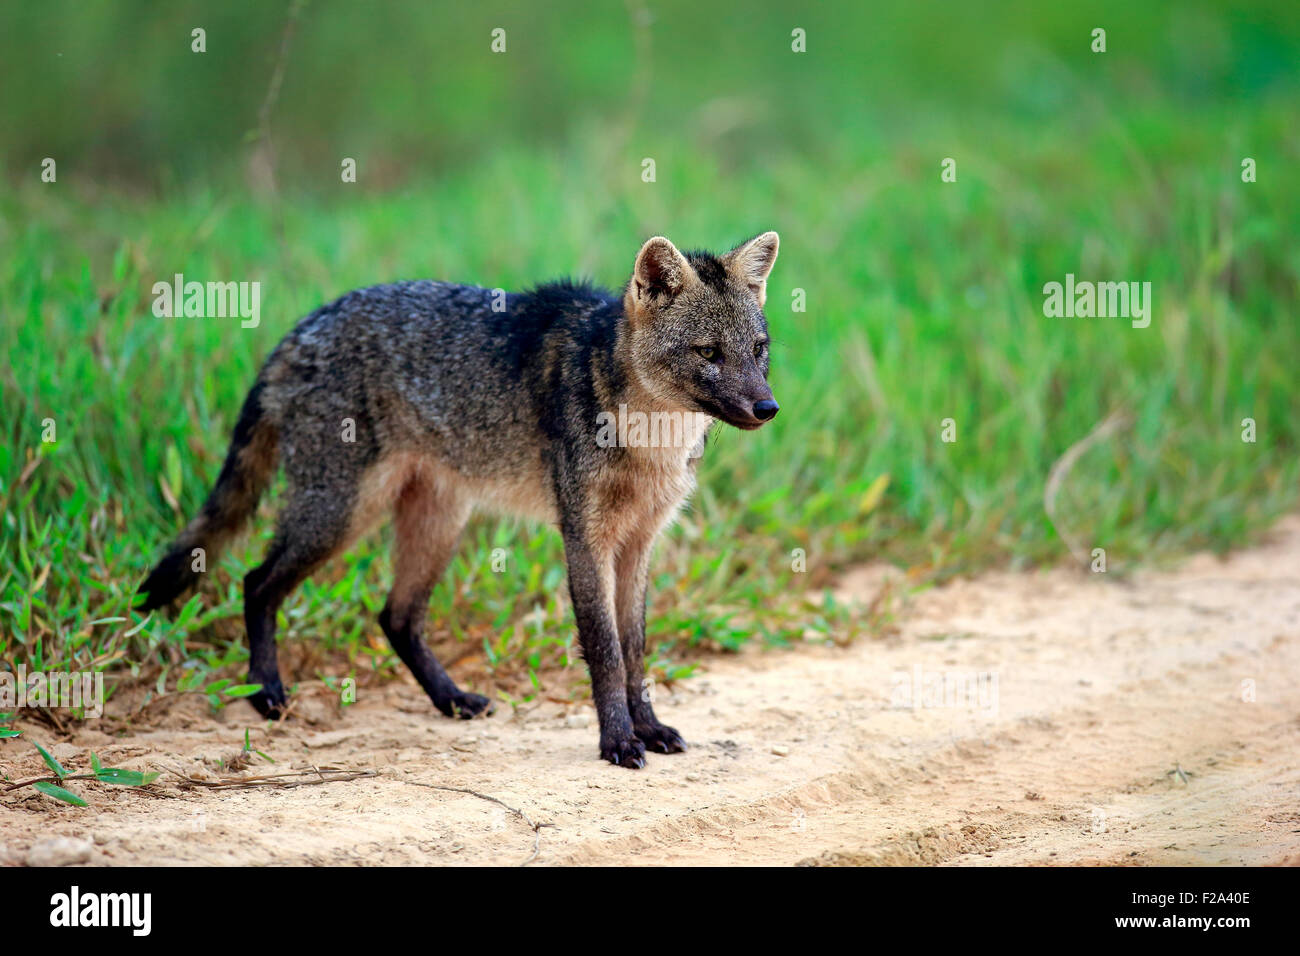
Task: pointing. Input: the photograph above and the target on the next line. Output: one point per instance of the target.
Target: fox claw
(661, 738)
(271, 701)
(625, 753)
(466, 706)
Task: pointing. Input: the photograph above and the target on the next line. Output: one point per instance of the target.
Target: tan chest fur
(637, 498)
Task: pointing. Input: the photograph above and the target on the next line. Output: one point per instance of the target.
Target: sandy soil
(1120, 731)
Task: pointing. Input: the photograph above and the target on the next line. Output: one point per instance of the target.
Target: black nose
(766, 409)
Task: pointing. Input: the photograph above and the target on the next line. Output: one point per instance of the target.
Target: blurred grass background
(924, 298)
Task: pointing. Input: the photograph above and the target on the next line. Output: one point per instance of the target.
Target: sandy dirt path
(1149, 721)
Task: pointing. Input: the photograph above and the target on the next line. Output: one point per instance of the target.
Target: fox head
(696, 331)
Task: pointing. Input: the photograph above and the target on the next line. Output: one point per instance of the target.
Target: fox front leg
(632, 569)
(591, 586)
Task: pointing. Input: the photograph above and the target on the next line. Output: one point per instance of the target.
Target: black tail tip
(165, 583)
(146, 599)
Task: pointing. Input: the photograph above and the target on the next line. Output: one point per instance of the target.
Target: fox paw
(271, 701)
(661, 738)
(628, 753)
(465, 705)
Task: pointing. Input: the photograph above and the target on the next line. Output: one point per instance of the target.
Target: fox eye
(708, 352)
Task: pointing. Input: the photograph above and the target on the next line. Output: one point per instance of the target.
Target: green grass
(924, 303)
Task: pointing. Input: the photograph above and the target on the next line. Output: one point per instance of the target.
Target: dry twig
(535, 827)
(275, 781)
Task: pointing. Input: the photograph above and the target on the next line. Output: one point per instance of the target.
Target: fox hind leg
(312, 528)
(428, 521)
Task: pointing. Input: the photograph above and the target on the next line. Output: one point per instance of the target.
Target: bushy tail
(250, 463)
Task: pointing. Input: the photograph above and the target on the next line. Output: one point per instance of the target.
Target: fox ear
(660, 271)
(752, 261)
